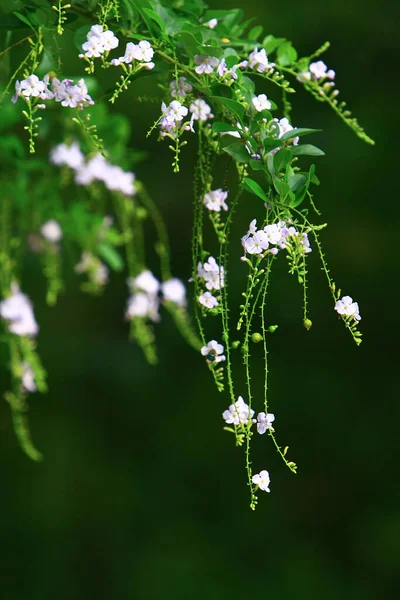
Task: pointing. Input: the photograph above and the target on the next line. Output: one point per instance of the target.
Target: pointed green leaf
(252, 186)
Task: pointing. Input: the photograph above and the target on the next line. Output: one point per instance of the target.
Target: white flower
(347, 307)
(318, 69)
(174, 112)
(200, 110)
(116, 179)
(46, 94)
(71, 95)
(52, 231)
(109, 40)
(28, 378)
(212, 274)
(205, 63)
(262, 480)
(264, 422)
(285, 127)
(71, 156)
(261, 102)
(17, 92)
(258, 60)
(141, 52)
(208, 300)
(213, 351)
(141, 304)
(174, 291)
(215, 200)
(212, 23)
(145, 282)
(273, 233)
(180, 88)
(257, 243)
(305, 242)
(223, 70)
(32, 86)
(95, 31)
(17, 309)
(93, 48)
(238, 413)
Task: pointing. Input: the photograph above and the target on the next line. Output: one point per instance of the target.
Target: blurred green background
(141, 494)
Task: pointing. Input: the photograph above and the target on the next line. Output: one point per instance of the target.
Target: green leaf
(282, 188)
(271, 43)
(286, 54)
(188, 41)
(238, 152)
(281, 159)
(307, 150)
(234, 107)
(24, 19)
(297, 132)
(255, 32)
(154, 17)
(111, 256)
(252, 186)
(220, 127)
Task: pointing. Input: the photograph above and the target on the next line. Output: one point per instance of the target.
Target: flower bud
(307, 324)
(235, 345)
(256, 338)
(272, 328)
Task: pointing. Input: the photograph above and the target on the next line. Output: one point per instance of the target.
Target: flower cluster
(348, 308)
(141, 52)
(318, 71)
(257, 60)
(215, 200)
(65, 91)
(144, 300)
(277, 235)
(212, 275)
(214, 352)
(97, 271)
(98, 42)
(18, 312)
(200, 110)
(95, 169)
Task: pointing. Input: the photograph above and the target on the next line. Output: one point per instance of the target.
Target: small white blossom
(174, 112)
(145, 282)
(258, 60)
(273, 233)
(93, 48)
(17, 310)
(223, 70)
(238, 413)
(70, 156)
(262, 480)
(28, 378)
(51, 231)
(347, 307)
(261, 102)
(264, 422)
(200, 110)
(180, 88)
(174, 291)
(257, 243)
(285, 127)
(212, 274)
(141, 304)
(142, 52)
(208, 300)
(214, 352)
(215, 200)
(205, 64)
(319, 70)
(31, 86)
(212, 23)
